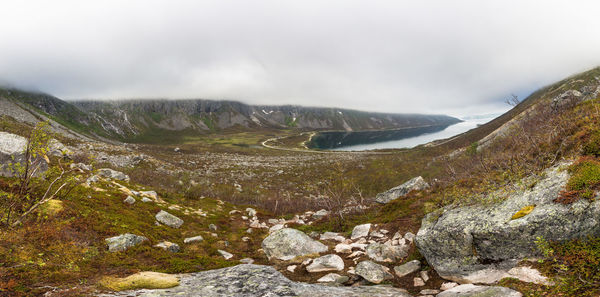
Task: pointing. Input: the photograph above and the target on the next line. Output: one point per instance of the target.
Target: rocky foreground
(258, 280)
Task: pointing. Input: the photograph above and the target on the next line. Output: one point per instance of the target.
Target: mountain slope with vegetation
(519, 172)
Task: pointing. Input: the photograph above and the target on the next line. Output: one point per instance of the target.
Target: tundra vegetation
(55, 216)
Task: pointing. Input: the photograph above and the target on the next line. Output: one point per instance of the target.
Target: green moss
(523, 212)
(585, 175)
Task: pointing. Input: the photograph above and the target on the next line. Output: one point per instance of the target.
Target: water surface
(390, 139)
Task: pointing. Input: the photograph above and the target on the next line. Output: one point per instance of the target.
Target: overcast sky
(454, 57)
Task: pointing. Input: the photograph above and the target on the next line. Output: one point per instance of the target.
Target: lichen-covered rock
(248, 280)
(407, 268)
(123, 242)
(330, 262)
(373, 272)
(417, 183)
(112, 174)
(12, 149)
(470, 290)
(287, 243)
(386, 253)
(168, 219)
(360, 231)
(480, 244)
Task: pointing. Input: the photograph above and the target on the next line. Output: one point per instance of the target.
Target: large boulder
(12, 149)
(168, 219)
(480, 244)
(123, 242)
(479, 291)
(248, 280)
(415, 184)
(287, 243)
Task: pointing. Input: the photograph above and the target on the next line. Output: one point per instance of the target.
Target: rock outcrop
(287, 243)
(415, 184)
(249, 280)
(480, 244)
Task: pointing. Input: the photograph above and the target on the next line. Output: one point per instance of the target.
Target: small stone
(234, 212)
(333, 278)
(332, 236)
(418, 282)
(291, 268)
(146, 199)
(376, 234)
(409, 236)
(225, 254)
(373, 272)
(424, 276)
(123, 242)
(360, 231)
(330, 262)
(251, 212)
(168, 246)
(356, 254)
(386, 253)
(448, 286)
(343, 248)
(245, 239)
(247, 261)
(169, 219)
(212, 227)
(320, 214)
(407, 268)
(198, 238)
(129, 200)
(429, 292)
(358, 246)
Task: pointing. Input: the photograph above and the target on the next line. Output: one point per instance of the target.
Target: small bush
(575, 264)
(592, 145)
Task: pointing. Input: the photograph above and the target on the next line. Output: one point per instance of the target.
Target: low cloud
(456, 57)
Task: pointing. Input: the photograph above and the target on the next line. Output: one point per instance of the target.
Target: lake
(390, 139)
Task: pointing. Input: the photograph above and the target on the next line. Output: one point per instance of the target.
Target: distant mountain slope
(139, 120)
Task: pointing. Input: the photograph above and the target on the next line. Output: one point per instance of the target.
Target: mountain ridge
(136, 119)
